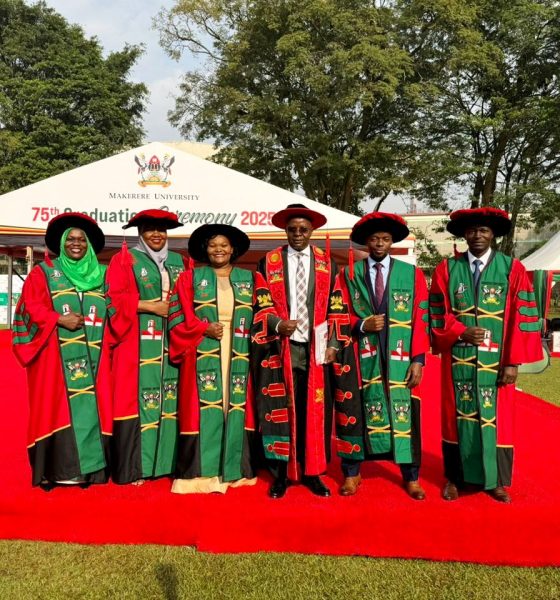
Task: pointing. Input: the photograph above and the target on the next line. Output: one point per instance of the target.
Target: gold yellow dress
(207, 485)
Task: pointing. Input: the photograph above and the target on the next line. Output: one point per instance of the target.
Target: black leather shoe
(316, 486)
(278, 488)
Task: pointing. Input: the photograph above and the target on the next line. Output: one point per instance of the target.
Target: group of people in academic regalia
(154, 367)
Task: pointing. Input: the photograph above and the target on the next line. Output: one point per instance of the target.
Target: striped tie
(301, 298)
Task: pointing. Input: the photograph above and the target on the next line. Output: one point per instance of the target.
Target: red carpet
(380, 521)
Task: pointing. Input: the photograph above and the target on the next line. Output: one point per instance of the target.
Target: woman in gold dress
(210, 318)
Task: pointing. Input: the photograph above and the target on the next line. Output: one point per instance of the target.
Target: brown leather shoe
(350, 485)
(450, 492)
(499, 494)
(414, 490)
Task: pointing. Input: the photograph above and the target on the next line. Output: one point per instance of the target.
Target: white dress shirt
(292, 270)
(385, 265)
(483, 259)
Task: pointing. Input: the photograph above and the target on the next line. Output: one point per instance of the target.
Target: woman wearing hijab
(58, 336)
(209, 323)
(144, 442)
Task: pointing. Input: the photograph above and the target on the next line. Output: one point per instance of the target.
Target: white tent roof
(157, 175)
(547, 257)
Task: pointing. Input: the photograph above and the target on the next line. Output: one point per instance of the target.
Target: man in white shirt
(484, 322)
(295, 412)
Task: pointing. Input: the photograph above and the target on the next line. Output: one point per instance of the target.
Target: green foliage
(303, 94)
(427, 254)
(488, 74)
(62, 105)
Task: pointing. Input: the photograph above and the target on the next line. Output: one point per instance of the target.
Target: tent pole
(29, 258)
(10, 275)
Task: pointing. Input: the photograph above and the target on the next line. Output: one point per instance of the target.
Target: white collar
(483, 259)
(305, 252)
(384, 263)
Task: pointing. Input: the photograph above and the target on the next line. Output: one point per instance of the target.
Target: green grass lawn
(34, 570)
(31, 570)
(545, 384)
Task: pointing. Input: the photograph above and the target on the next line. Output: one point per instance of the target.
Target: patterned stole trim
(221, 446)
(386, 399)
(157, 378)
(475, 369)
(80, 352)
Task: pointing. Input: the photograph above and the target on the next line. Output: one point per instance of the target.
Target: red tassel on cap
(351, 262)
(48, 260)
(328, 247)
(456, 252)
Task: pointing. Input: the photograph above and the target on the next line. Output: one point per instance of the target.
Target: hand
(287, 327)
(374, 323)
(330, 355)
(160, 308)
(413, 375)
(71, 321)
(473, 335)
(507, 375)
(215, 331)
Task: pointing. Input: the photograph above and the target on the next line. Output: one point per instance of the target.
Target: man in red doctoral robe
(293, 391)
(379, 317)
(484, 323)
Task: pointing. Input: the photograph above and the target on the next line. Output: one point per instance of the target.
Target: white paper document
(321, 333)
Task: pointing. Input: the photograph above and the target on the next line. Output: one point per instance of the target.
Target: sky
(118, 22)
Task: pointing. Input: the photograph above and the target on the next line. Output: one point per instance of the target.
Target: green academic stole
(218, 434)
(388, 417)
(157, 378)
(475, 369)
(80, 351)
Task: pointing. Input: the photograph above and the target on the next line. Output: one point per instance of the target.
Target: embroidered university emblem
(487, 394)
(336, 302)
(154, 172)
(492, 294)
(401, 301)
(401, 411)
(465, 390)
(375, 412)
(170, 390)
(77, 369)
(151, 399)
(207, 382)
(264, 300)
(244, 289)
(238, 384)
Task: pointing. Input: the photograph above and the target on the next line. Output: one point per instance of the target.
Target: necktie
(476, 272)
(379, 287)
(301, 298)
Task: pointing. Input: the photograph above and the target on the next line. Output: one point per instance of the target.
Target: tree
(308, 95)
(489, 123)
(62, 105)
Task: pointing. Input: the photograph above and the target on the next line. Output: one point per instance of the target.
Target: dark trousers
(351, 468)
(299, 353)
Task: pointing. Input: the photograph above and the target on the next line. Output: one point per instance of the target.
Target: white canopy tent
(547, 257)
(162, 176)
